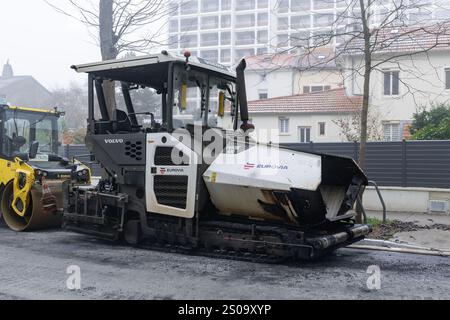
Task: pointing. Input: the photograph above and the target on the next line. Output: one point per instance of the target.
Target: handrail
(359, 202)
(373, 183)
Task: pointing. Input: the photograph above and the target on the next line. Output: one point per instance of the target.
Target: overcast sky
(43, 43)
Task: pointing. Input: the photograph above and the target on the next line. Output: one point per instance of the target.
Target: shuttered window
(391, 83)
(391, 132)
(304, 134)
(284, 125)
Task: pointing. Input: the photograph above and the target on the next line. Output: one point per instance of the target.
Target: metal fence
(398, 164)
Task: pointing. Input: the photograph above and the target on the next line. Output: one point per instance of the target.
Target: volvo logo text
(113, 141)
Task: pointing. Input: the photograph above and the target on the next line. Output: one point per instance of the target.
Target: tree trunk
(366, 96)
(108, 49)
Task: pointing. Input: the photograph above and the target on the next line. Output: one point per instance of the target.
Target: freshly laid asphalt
(34, 266)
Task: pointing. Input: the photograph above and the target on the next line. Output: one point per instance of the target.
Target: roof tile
(331, 101)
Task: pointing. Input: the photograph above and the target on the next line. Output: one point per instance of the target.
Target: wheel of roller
(34, 218)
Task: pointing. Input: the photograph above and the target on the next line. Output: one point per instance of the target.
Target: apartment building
(224, 31)
(220, 30)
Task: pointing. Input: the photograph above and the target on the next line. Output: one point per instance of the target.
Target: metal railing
(380, 196)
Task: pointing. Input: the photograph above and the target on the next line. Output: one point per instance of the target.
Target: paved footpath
(436, 234)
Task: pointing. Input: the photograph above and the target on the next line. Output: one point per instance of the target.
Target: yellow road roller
(32, 173)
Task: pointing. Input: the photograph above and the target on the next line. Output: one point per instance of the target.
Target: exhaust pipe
(242, 96)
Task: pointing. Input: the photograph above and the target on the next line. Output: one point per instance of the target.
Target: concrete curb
(381, 245)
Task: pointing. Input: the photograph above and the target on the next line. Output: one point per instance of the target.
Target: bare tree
(72, 100)
(350, 126)
(120, 26)
(374, 33)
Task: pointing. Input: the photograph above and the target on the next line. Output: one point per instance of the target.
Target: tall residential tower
(226, 30)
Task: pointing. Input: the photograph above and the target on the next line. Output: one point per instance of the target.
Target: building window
(188, 41)
(323, 20)
(322, 126)
(245, 5)
(283, 40)
(173, 42)
(341, 36)
(189, 7)
(263, 94)
(262, 4)
(316, 88)
(391, 131)
(321, 37)
(211, 22)
(210, 5)
(209, 39)
(391, 83)
(225, 55)
(189, 24)
(447, 78)
(300, 5)
(284, 125)
(241, 53)
(319, 88)
(304, 134)
(283, 23)
(300, 39)
(263, 19)
(226, 21)
(320, 4)
(263, 36)
(173, 26)
(226, 4)
(300, 22)
(210, 55)
(173, 9)
(244, 38)
(245, 21)
(283, 6)
(225, 38)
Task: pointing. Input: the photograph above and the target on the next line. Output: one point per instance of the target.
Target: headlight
(41, 173)
(83, 175)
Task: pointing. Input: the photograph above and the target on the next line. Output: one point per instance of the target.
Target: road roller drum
(36, 216)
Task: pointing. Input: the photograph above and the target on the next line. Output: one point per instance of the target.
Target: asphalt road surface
(34, 266)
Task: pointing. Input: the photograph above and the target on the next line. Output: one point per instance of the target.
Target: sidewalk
(421, 219)
(424, 230)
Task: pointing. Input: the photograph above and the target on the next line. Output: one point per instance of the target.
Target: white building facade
(271, 76)
(220, 30)
(224, 31)
(403, 86)
(303, 118)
